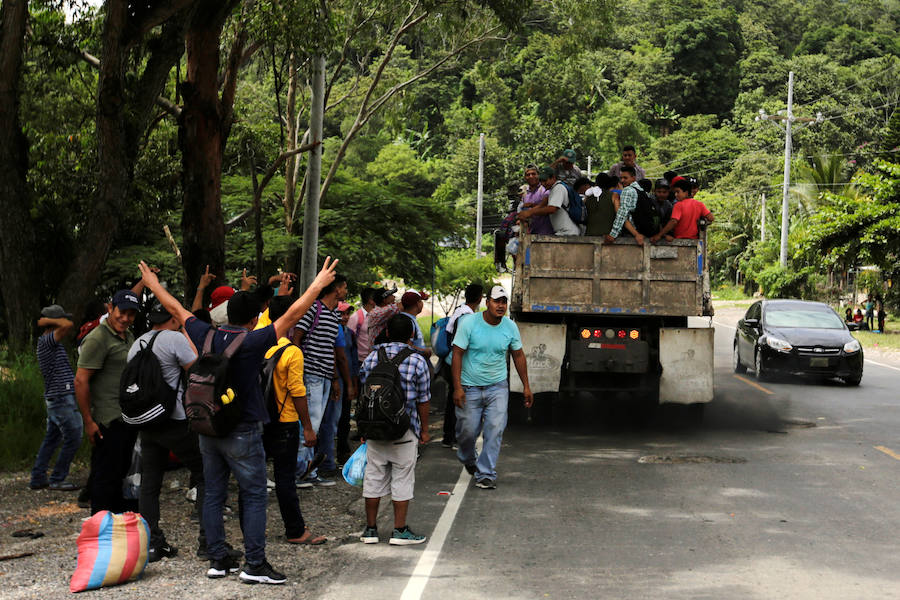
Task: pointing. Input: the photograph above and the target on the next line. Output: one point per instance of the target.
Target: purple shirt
(540, 225)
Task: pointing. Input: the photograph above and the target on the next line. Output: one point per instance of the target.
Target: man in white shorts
(391, 464)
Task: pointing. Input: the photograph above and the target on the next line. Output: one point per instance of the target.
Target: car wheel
(853, 380)
(761, 373)
(736, 361)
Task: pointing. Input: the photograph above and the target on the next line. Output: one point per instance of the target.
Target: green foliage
(460, 267)
(785, 282)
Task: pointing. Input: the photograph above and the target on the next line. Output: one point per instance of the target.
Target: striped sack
(112, 549)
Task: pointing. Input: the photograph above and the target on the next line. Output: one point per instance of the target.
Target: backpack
(267, 383)
(440, 340)
(645, 217)
(381, 413)
(144, 396)
(576, 208)
(207, 383)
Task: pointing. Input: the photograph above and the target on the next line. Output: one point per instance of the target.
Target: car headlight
(851, 347)
(778, 344)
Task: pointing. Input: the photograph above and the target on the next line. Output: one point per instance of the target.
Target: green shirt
(105, 353)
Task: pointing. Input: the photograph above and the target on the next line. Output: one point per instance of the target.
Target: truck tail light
(621, 334)
(634, 334)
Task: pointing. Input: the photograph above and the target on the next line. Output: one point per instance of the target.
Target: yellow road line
(888, 451)
(754, 384)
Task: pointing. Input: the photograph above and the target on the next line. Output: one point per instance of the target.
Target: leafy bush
(781, 282)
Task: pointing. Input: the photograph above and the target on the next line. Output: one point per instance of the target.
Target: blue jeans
(484, 413)
(64, 426)
(317, 390)
(240, 452)
(328, 431)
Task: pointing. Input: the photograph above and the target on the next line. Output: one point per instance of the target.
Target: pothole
(655, 459)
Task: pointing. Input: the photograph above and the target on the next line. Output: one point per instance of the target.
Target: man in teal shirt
(481, 389)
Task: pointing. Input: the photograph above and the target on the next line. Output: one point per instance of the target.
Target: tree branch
(164, 103)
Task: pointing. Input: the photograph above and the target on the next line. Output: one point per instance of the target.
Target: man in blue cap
(103, 356)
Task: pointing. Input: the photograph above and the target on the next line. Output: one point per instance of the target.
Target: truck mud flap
(545, 347)
(686, 358)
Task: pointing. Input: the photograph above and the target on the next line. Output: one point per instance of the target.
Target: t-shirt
(245, 363)
(418, 339)
(320, 341)
(485, 345)
(570, 174)
(174, 353)
(616, 171)
(460, 312)
(376, 321)
(561, 221)
(539, 224)
(287, 379)
(105, 353)
(59, 380)
(687, 212)
(357, 324)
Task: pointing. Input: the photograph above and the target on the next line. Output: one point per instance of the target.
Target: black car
(796, 336)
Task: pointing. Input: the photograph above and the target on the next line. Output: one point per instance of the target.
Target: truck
(612, 319)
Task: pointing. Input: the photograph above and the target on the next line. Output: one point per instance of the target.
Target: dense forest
(123, 118)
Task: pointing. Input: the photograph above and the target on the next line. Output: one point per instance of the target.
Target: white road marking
(720, 324)
(882, 365)
(419, 578)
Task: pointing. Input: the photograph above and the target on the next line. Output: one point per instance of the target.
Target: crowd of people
(559, 199)
(320, 352)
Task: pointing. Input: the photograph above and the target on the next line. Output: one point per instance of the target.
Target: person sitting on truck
(601, 208)
(661, 201)
(535, 196)
(566, 169)
(685, 215)
(556, 207)
(627, 203)
(629, 154)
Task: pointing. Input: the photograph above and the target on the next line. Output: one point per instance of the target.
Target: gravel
(336, 512)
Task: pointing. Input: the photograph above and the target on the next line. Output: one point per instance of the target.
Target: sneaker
(304, 484)
(270, 485)
(159, 552)
(320, 481)
(317, 460)
(230, 552)
(263, 573)
(222, 567)
(38, 486)
(369, 536)
(486, 484)
(470, 469)
(64, 486)
(405, 537)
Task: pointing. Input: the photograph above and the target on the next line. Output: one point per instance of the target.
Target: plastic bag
(355, 468)
(131, 485)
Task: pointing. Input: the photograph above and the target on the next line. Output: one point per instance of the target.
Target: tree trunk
(290, 182)
(17, 277)
(203, 130)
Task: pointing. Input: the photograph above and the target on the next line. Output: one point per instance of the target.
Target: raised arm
(169, 302)
(302, 304)
(205, 280)
(63, 326)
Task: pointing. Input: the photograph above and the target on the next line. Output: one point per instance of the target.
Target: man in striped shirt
(317, 336)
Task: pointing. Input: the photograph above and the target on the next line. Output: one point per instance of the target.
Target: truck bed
(567, 274)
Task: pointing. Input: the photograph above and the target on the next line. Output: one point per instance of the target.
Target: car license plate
(818, 361)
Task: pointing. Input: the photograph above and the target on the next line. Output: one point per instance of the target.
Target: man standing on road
(413, 303)
(63, 421)
(480, 386)
(391, 464)
(175, 355)
(104, 354)
(241, 451)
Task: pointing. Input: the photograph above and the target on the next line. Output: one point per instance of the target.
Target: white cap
(498, 292)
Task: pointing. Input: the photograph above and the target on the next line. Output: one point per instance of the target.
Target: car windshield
(798, 316)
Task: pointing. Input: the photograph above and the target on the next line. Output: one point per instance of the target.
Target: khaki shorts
(391, 468)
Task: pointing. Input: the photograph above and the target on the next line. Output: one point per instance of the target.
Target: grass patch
(881, 341)
(730, 292)
(24, 413)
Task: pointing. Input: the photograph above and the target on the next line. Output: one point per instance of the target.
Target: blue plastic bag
(355, 468)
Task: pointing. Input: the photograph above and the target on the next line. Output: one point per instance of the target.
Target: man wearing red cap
(413, 303)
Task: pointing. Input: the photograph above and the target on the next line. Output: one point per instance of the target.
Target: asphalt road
(783, 490)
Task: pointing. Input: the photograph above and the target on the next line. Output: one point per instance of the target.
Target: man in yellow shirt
(282, 437)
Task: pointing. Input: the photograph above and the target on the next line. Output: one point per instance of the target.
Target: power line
(849, 87)
(847, 114)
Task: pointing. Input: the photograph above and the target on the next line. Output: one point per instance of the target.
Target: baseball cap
(126, 300)
(220, 295)
(570, 155)
(383, 293)
(344, 307)
(410, 298)
(55, 311)
(546, 173)
(158, 314)
(660, 183)
(498, 292)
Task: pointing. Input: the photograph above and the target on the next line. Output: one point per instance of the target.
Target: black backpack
(381, 413)
(645, 217)
(144, 396)
(207, 383)
(267, 383)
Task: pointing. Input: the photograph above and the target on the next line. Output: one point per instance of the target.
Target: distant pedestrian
(481, 389)
(64, 425)
(879, 311)
(103, 356)
(870, 313)
(391, 464)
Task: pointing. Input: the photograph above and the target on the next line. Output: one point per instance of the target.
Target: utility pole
(589, 167)
(480, 196)
(789, 120)
(309, 262)
(762, 227)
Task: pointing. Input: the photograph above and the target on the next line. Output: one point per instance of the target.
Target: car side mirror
(751, 323)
